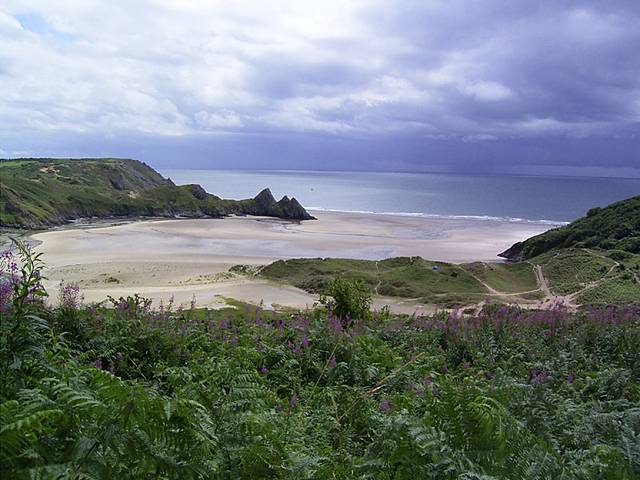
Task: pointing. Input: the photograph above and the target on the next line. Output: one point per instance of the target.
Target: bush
(351, 299)
(619, 255)
(631, 244)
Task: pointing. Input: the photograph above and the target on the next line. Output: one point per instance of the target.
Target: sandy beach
(186, 258)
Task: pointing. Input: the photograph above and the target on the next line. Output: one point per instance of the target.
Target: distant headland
(42, 192)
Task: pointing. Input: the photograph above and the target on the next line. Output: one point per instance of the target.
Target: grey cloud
(391, 85)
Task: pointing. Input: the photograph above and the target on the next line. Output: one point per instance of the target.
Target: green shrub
(619, 255)
(351, 299)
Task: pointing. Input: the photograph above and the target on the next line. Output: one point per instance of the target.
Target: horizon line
(304, 170)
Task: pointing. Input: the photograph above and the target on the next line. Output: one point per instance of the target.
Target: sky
(496, 86)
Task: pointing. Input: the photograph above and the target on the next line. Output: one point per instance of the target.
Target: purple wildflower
(69, 295)
(170, 304)
(385, 406)
(540, 378)
(98, 364)
(294, 401)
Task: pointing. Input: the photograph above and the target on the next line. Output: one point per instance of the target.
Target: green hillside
(616, 227)
(35, 193)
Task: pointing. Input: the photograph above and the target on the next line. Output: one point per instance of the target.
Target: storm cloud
(387, 85)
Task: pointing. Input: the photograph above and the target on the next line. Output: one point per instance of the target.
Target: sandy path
(182, 258)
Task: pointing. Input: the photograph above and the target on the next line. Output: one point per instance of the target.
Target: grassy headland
(615, 227)
(35, 193)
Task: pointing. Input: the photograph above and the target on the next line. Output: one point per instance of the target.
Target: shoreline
(161, 258)
(489, 218)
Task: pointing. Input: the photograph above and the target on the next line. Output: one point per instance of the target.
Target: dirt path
(542, 281)
(550, 299)
(494, 292)
(569, 301)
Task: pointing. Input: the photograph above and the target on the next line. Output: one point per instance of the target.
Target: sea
(547, 199)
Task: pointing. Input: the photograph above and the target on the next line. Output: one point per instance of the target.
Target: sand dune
(183, 258)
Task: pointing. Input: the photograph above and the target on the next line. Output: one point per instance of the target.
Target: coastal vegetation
(128, 389)
(36, 193)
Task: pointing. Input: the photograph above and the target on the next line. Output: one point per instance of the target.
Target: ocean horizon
(521, 198)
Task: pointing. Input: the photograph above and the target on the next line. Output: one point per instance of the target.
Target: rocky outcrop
(265, 204)
(264, 199)
(514, 253)
(291, 208)
(197, 191)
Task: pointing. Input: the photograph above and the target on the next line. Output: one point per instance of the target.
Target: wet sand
(183, 258)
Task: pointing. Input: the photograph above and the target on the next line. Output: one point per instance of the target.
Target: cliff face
(36, 193)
